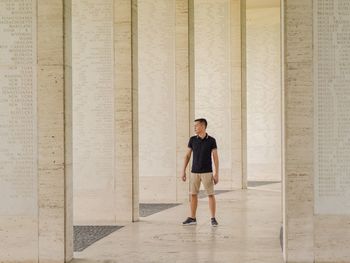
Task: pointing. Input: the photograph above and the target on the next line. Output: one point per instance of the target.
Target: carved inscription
(18, 154)
(332, 106)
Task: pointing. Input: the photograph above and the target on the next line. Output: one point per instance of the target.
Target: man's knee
(211, 196)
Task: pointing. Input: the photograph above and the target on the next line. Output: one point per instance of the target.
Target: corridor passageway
(97, 102)
(249, 231)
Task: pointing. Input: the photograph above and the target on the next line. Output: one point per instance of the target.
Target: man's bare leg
(194, 203)
(212, 205)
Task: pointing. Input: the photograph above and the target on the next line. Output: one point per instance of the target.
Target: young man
(203, 147)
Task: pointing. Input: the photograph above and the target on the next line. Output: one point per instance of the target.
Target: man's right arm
(186, 160)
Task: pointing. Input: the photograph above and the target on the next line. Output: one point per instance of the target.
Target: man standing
(203, 147)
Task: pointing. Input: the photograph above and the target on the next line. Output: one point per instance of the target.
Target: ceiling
(262, 3)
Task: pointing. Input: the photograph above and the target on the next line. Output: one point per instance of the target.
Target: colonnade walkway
(249, 231)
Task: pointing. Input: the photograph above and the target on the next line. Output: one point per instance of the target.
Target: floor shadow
(147, 209)
(85, 236)
(260, 183)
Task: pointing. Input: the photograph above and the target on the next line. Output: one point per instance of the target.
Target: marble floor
(248, 231)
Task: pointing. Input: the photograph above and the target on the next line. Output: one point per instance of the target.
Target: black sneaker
(189, 221)
(214, 222)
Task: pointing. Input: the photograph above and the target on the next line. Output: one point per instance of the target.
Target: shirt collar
(206, 136)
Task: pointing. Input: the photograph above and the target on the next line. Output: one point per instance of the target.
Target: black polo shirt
(201, 149)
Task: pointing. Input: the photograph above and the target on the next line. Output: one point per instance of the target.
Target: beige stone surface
(163, 87)
(310, 237)
(217, 80)
(123, 111)
(248, 231)
(263, 3)
(263, 94)
(18, 145)
(237, 80)
(249, 219)
(135, 110)
(331, 186)
(19, 237)
(212, 74)
(51, 132)
(68, 98)
(93, 108)
(159, 189)
(156, 88)
(298, 124)
(103, 112)
(39, 232)
(244, 124)
(183, 120)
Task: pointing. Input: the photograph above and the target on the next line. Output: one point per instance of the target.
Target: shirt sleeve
(190, 143)
(214, 146)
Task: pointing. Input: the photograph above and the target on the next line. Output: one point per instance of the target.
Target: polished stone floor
(248, 231)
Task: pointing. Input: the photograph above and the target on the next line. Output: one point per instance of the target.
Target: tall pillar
(217, 77)
(263, 93)
(103, 112)
(238, 95)
(135, 111)
(94, 112)
(316, 125)
(163, 99)
(68, 123)
(183, 120)
(33, 210)
(331, 108)
(124, 103)
(298, 131)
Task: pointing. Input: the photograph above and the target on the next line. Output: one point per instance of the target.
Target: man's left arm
(216, 165)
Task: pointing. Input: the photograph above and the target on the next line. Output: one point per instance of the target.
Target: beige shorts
(205, 178)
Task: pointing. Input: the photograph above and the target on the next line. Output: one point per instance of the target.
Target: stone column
(33, 213)
(103, 112)
(331, 103)
(53, 134)
(135, 111)
(298, 131)
(216, 79)
(162, 106)
(238, 95)
(123, 84)
(264, 93)
(315, 145)
(94, 112)
(183, 121)
(68, 109)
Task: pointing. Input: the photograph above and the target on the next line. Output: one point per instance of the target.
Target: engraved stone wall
(212, 75)
(332, 106)
(316, 220)
(18, 131)
(156, 83)
(93, 110)
(18, 108)
(263, 94)
(32, 146)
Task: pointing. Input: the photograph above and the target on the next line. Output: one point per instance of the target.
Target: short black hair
(203, 121)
